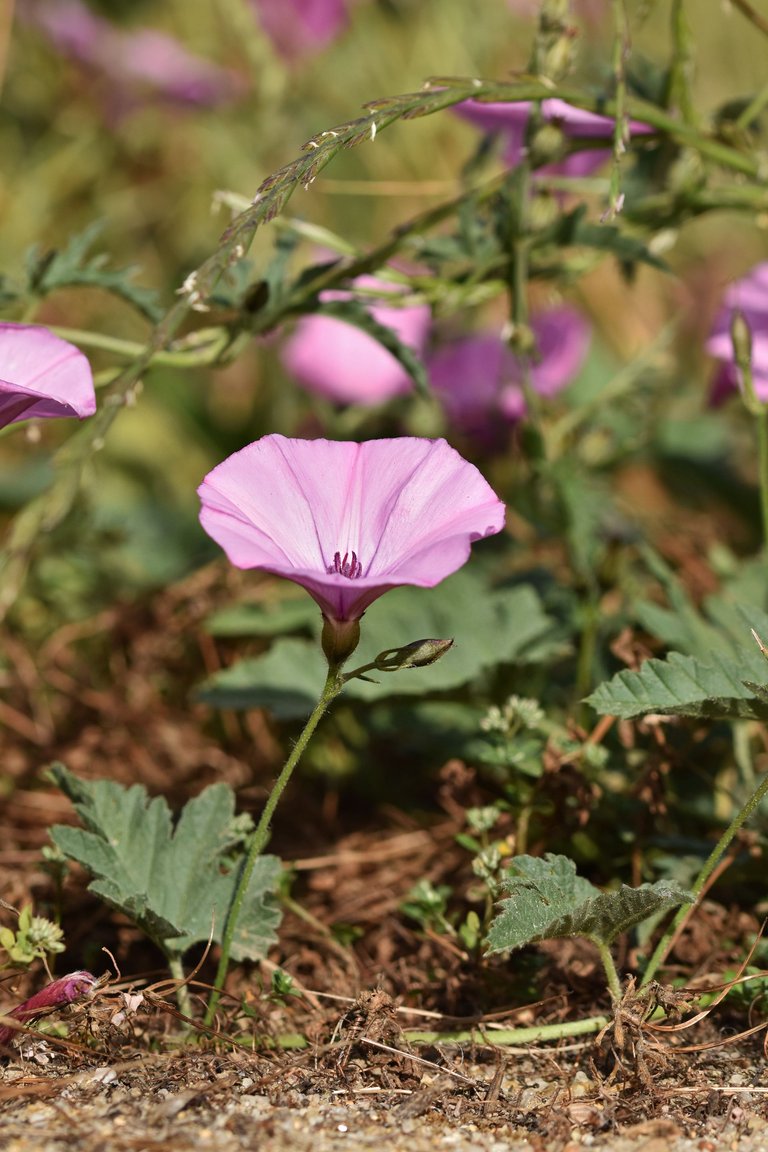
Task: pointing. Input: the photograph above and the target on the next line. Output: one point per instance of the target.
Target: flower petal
(409, 509)
(343, 363)
(42, 376)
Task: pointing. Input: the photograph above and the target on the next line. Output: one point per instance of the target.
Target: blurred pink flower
(510, 121)
(749, 296)
(42, 376)
(140, 59)
(55, 995)
(301, 27)
(349, 521)
(478, 378)
(335, 359)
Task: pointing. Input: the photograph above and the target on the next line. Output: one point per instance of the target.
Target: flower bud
(417, 654)
(548, 144)
(741, 335)
(543, 211)
(55, 995)
(339, 640)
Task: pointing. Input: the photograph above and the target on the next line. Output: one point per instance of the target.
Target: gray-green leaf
(177, 883)
(549, 900)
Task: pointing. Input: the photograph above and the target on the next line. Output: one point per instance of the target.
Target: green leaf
(286, 680)
(264, 619)
(718, 689)
(719, 672)
(72, 266)
(355, 313)
(490, 627)
(176, 883)
(577, 229)
(549, 900)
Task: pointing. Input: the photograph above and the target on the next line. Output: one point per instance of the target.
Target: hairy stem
(611, 975)
(665, 944)
(183, 999)
(543, 1032)
(331, 689)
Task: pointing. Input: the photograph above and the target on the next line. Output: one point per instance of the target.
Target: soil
(120, 1071)
(230, 1102)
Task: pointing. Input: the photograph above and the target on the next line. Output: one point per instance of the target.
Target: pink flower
(349, 521)
(301, 27)
(478, 378)
(335, 359)
(42, 376)
(55, 995)
(510, 120)
(749, 296)
(132, 60)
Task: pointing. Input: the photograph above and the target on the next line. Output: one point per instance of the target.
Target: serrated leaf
(717, 689)
(718, 672)
(178, 882)
(549, 900)
(72, 266)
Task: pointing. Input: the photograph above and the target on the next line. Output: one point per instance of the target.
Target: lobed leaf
(490, 627)
(549, 900)
(178, 882)
(73, 266)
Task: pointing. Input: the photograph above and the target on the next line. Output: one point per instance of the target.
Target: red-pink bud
(58, 993)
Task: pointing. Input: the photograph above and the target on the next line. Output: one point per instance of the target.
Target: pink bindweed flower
(349, 521)
(301, 27)
(133, 60)
(42, 376)
(748, 296)
(55, 995)
(510, 121)
(478, 378)
(335, 359)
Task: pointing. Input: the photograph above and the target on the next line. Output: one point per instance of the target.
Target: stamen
(350, 566)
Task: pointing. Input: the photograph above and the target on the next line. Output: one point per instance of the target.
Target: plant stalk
(183, 998)
(762, 444)
(611, 975)
(543, 1032)
(664, 945)
(331, 689)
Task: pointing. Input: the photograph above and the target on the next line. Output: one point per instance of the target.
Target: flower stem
(331, 689)
(762, 442)
(664, 945)
(183, 998)
(541, 1032)
(611, 975)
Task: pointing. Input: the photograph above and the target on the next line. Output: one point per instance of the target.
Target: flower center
(350, 566)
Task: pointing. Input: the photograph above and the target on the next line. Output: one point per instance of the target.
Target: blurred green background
(80, 145)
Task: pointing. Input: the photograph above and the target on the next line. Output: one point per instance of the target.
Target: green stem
(682, 65)
(621, 48)
(202, 348)
(664, 945)
(543, 1032)
(585, 665)
(331, 689)
(183, 999)
(753, 109)
(762, 442)
(611, 975)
